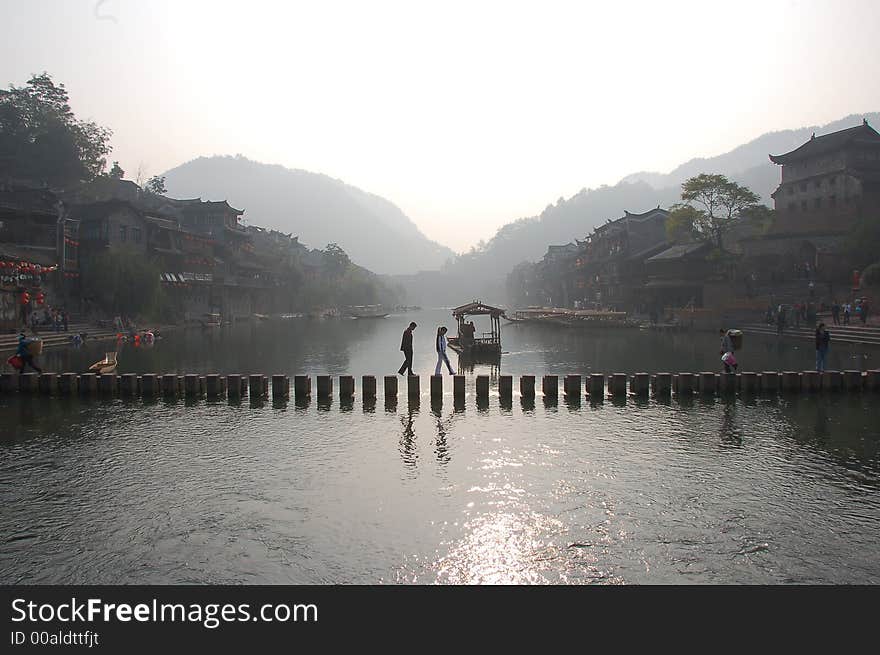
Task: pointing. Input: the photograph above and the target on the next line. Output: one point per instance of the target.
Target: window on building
(817, 203)
(136, 234)
(123, 232)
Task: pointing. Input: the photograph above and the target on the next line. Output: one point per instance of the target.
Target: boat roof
(477, 308)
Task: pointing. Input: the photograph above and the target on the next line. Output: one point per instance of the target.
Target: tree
(116, 171)
(337, 258)
(123, 282)
(712, 205)
(156, 185)
(41, 139)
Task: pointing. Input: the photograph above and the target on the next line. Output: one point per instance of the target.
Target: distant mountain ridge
(743, 159)
(481, 272)
(373, 231)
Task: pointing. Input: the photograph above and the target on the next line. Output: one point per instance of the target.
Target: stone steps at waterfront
(51, 338)
(839, 333)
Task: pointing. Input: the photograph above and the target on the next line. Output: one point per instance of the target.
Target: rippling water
(706, 490)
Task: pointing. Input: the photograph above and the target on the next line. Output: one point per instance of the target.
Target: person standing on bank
(823, 340)
(726, 348)
(407, 348)
(441, 351)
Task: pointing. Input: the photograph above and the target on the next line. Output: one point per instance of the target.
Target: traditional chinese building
(827, 185)
(611, 266)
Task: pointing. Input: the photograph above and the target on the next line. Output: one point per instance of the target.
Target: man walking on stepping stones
(407, 348)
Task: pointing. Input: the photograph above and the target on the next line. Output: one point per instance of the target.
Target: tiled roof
(819, 145)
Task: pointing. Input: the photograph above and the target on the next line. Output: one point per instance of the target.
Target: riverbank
(52, 339)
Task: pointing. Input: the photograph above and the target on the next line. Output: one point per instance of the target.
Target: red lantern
(25, 298)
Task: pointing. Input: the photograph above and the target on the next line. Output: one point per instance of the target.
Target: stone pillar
(640, 384)
(597, 387)
(413, 387)
(346, 387)
(88, 384)
(662, 383)
(832, 381)
(458, 388)
(527, 386)
(107, 384)
(8, 382)
(390, 387)
(368, 387)
(128, 385)
(302, 386)
(169, 385)
(505, 387)
(257, 386)
(749, 383)
(28, 382)
(617, 385)
(572, 386)
(811, 381)
(791, 382)
(280, 387)
(727, 383)
(852, 380)
(708, 383)
(67, 384)
(685, 384)
(550, 386)
(191, 385)
(149, 385)
(233, 385)
(213, 387)
(325, 387)
(48, 383)
(436, 388)
(769, 382)
(482, 388)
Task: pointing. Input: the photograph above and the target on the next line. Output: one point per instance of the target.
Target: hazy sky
(465, 114)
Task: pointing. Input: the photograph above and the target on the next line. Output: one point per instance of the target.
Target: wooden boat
(367, 311)
(488, 344)
(106, 365)
(571, 318)
(210, 320)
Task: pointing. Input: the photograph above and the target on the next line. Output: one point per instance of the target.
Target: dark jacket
(822, 340)
(406, 342)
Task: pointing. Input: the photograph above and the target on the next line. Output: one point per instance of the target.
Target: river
(766, 490)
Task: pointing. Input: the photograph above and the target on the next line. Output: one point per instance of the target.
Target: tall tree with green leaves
(42, 140)
(156, 185)
(712, 205)
(116, 171)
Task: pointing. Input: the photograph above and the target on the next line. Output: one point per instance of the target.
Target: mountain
(750, 161)
(481, 272)
(319, 209)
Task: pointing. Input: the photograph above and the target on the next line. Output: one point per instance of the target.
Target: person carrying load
(23, 352)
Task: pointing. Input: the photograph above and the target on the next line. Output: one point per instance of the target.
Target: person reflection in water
(441, 352)
(407, 348)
